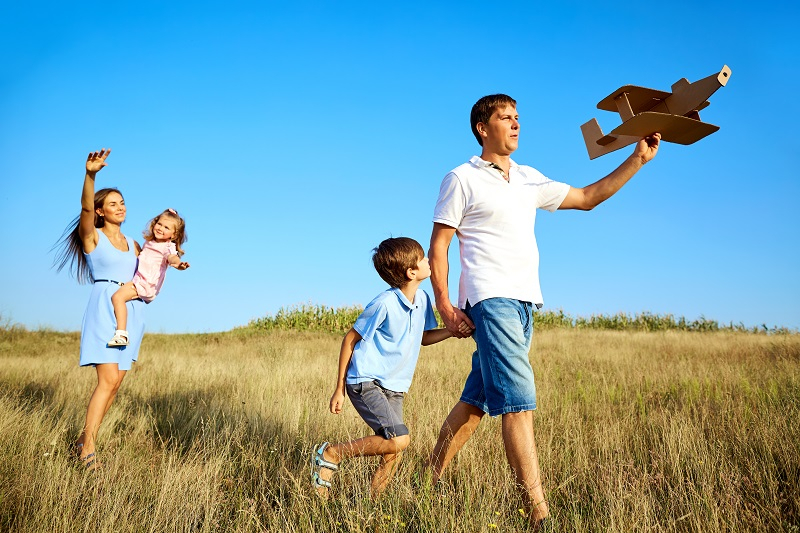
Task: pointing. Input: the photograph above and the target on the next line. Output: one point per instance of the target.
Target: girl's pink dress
(152, 268)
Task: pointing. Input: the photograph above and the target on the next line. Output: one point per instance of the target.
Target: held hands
(457, 322)
(647, 148)
(337, 401)
(183, 265)
(96, 161)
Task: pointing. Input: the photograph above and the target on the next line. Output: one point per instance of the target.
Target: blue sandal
(318, 462)
(89, 462)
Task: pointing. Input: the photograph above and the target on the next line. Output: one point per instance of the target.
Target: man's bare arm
(591, 196)
(453, 317)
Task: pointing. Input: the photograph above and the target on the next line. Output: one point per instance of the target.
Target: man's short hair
(483, 109)
(394, 256)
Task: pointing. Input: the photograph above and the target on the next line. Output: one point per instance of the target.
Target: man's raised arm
(593, 195)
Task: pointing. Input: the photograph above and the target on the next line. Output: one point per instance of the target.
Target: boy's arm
(432, 336)
(345, 354)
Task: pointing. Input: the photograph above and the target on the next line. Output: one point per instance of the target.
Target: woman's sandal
(318, 462)
(90, 463)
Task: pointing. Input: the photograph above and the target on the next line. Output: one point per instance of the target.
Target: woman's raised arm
(94, 162)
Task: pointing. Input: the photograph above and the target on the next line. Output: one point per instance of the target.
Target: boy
(377, 361)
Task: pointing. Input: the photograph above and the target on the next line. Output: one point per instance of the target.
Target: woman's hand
(96, 161)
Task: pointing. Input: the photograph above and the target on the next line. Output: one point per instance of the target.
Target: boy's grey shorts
(381, 409)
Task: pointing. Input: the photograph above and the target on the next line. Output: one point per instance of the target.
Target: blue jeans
(501, 380)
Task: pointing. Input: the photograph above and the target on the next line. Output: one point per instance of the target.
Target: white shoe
(120, 339)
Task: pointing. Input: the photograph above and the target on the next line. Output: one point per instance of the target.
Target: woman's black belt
(109, 281)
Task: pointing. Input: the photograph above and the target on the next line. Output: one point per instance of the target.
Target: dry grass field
(665, 431)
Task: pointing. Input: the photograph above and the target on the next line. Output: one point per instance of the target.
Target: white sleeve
(452, 201)
(551, 194)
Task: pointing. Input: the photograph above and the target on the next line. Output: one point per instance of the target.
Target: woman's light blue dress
(99, 323)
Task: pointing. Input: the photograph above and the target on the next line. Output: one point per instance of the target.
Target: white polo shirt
(494, 221)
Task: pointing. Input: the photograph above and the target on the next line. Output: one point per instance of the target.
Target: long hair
(179, 237)
(69, 247)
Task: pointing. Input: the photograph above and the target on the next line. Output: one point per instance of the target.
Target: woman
(97, 252)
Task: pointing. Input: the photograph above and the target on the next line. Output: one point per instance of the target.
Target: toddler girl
(162, 248)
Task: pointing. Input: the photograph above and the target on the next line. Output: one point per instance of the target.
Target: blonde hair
(179, 237)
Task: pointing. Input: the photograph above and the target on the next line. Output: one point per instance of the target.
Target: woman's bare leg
(109, 379)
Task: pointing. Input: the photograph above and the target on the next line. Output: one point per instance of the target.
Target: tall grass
(665, 431)
(315, 317)
(309, 317)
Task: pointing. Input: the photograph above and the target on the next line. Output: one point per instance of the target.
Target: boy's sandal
(318, 461)
(319, 482)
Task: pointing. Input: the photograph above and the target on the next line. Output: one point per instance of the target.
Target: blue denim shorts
(381, 409)
(501, 380)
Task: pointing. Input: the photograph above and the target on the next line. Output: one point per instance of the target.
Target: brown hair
(179, 237)
(483, 109)
(394, 256)
(70, 247)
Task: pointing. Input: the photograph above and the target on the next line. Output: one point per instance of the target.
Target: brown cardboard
(675, 115)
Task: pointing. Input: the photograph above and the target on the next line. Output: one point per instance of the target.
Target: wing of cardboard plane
(644, 111)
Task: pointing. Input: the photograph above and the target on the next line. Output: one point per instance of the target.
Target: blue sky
(294, 137)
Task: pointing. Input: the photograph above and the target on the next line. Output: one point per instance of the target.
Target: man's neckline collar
(482, 163)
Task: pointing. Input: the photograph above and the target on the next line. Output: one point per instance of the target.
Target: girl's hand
(96, 161)
(183, 265)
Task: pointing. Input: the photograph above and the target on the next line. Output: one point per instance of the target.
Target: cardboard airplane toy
(646, 111)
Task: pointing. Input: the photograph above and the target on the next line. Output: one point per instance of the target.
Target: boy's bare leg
(520, 447)
(363, 447)
(125, 294)
(458, 427)
(384, 473)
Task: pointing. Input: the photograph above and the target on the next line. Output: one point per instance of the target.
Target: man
(490, 203)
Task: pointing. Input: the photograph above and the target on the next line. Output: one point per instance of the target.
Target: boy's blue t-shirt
(391, 335)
